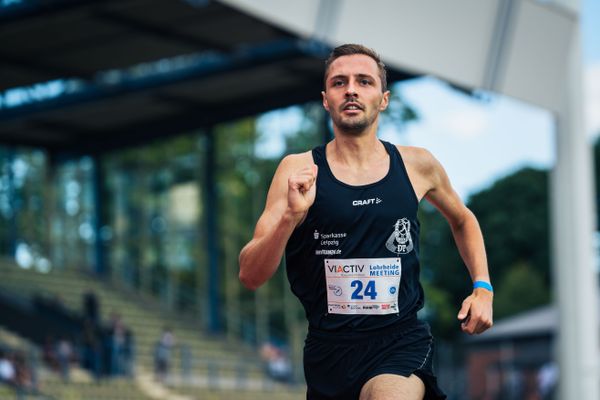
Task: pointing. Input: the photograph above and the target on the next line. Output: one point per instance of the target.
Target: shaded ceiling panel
(46, 37)
(18, 74)
(136, 70)
(125, 50)
(30, 133)
(109, 114)
(235, 85)
(219, 31)
(79, 38)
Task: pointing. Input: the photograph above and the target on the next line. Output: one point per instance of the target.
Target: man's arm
(291, 194)
(476, 311)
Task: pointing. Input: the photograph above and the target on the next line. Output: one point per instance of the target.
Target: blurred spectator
(91, 357)
(547, 380)
(64, 352)
(23, 374)
(91, 307)
(277, 364)
(129, 352)
(117, 341)
(49, 353)
(162, 354)
(7, 369)
(16, 373)
(121, 347)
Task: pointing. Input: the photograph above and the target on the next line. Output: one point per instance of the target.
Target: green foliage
(441, 262)
(440, 311)
(521, 288)
(513, 214)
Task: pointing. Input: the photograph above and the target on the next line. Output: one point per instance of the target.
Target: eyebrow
(340, 76)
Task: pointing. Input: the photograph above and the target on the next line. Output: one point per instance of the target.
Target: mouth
(352, 106)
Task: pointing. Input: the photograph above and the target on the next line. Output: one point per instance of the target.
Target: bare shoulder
(424, 170)
(289, 165)
(292, 163)
(418, 159)
(297, 160)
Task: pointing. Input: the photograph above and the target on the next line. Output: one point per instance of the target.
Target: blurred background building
(137, 143)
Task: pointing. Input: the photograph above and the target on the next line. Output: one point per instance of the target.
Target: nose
(351, 90)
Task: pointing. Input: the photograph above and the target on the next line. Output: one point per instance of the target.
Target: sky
(477, 141)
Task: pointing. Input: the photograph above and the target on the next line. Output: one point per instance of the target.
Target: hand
(302, 191)
(476, 312)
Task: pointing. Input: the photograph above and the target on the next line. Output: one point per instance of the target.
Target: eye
(365, 81)
(337, 83)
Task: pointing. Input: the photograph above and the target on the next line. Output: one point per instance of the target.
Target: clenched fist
(476, 312)
(302, 191)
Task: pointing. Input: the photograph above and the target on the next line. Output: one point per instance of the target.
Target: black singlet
(374, 221)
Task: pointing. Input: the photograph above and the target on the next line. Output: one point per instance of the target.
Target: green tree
(514, 218)
(521, 288)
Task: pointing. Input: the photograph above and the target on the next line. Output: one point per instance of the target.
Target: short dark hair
(350, 49)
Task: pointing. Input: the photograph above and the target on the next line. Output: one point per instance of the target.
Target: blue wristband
(483, 285)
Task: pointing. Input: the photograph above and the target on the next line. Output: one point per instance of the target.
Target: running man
(346, 216)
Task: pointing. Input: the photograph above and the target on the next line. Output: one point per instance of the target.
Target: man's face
(353, 95)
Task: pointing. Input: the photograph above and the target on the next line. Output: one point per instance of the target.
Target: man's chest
(360, 176)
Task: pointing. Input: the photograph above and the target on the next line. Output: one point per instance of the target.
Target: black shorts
(336, 366)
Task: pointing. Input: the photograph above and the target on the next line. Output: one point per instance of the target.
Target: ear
(385, 101)
(325, 103)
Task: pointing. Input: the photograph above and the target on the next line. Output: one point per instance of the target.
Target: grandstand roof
(84, 76)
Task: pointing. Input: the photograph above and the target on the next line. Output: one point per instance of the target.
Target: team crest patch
(400, 241)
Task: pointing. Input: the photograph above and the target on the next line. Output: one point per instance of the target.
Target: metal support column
(212, 245)
(573, 223)
(98, 221)
(14, 203)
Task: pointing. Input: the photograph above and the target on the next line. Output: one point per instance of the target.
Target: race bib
(363, 285)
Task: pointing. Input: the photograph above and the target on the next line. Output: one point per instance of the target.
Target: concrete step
(145, 322)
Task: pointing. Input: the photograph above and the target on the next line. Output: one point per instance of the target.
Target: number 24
(369, 290)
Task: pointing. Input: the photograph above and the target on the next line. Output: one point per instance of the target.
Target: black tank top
(374, 221)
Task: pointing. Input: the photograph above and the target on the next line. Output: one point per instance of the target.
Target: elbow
(246, 276)
(462, 220)
(248, 281)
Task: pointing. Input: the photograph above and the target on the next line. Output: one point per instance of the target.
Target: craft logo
(366, 202)
(400, 241)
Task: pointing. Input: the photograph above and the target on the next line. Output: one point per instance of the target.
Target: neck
(356, 151)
